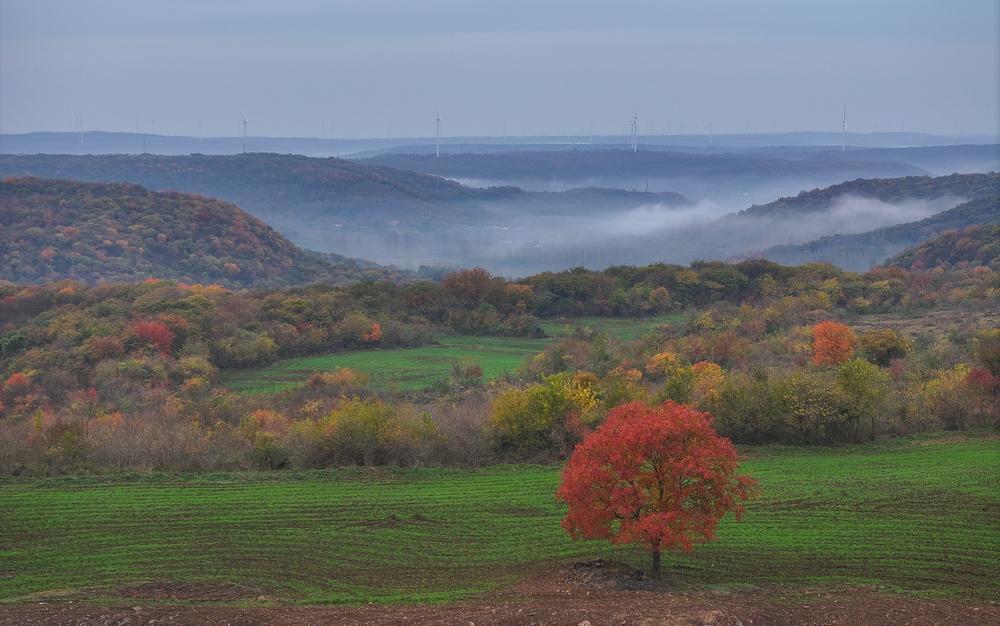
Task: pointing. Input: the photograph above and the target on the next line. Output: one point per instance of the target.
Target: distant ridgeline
(98, 232)
(599, 164)
(278, 187)
(862, 251)
(269, 185)
(888, 190)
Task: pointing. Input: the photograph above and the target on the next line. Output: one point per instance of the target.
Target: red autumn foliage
(833, 343)
(658, 476)
(17, 384)
(156, 334)
(982, 381)
(374, 334)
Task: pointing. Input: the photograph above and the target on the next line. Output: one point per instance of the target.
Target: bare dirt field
(929, 322)
(592, 593)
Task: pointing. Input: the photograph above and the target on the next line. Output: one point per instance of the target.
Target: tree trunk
(656, 564)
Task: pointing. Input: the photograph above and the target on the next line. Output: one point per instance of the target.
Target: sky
(378, 68)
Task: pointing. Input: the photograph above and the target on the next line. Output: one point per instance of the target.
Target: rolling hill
(600, 165)
(977, 245)
(358, 210)
(278, 182)
(278, 186)
(889, 190)
(862, 251)
(791, 230)
(97, 232)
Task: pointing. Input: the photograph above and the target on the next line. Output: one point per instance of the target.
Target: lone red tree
(833, 343)
(657, 476)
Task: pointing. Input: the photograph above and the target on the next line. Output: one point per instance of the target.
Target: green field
(404, 369)
(916, 515)
(409, 369)
(617, 327)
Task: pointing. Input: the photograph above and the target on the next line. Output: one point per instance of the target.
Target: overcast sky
(371, 68)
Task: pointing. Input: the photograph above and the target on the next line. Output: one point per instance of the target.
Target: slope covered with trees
(589, 164)
(276, 187)
(129, 375)
(889, 190)
(967, 247)
(391, 216)
(864, 250)
(92, 232)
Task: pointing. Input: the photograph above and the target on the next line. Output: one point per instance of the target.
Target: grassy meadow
(411, 369)
(617, 327)
(917, 515)
(403, 369)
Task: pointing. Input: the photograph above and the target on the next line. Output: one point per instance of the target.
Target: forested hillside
(134, 375)
(390, 216)
(970, 246)
(889, 190)
(590, 163)
(93, 232)
(267, 184)
(864, 250)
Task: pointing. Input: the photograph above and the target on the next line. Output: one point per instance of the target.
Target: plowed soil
(593, 593)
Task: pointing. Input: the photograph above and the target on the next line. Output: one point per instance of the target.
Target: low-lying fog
(513, 242)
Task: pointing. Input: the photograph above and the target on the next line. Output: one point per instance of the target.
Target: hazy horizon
(352, 69)
(608, 139)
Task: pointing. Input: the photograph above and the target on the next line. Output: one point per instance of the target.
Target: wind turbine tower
(244, 135)
(635, 132)
(843, 131)
(437, 135)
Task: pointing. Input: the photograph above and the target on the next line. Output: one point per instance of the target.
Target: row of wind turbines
(633, 138)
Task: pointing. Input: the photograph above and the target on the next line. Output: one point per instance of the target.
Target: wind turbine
(245, 121)
(843, 131)
(437, 135)
(635, 132)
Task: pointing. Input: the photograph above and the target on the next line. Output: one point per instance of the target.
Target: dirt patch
(166, 590)
(929, 322)
(591, 593)
(602, 574)
(570, 607)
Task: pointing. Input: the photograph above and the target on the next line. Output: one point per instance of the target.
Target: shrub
(662, 364)
(706, 380)
(882, 346)
(556, 410)
(246, 349)
(946, 397)
(748, 410)
(466, 373)
(816, 410)
(986, 347)
(866, 386)
(341, 379)
(264, 430)
(371, 432)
